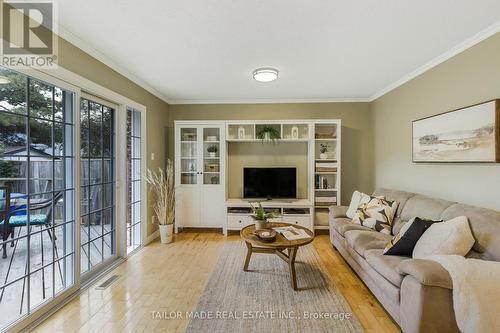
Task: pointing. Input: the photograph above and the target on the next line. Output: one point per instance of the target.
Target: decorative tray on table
(267, 235)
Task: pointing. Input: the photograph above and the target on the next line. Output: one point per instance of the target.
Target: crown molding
(84, 46)
(467, 44)
(269, 101)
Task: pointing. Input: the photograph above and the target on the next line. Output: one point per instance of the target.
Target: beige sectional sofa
(417, 293)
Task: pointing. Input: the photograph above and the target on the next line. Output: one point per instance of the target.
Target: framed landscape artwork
(470, 134)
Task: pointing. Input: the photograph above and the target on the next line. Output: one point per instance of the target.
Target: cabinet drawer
(239, 221)
(304, 221)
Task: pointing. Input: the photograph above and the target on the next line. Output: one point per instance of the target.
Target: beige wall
(77, 61)
(357, 134)
(471, 77)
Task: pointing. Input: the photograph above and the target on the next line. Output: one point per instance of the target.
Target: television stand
(293, 211)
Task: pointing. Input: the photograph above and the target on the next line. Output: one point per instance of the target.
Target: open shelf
(326, 170)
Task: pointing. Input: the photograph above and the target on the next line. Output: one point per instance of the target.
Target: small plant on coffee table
(260, 216)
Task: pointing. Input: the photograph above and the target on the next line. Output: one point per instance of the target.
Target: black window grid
(31, 230)
(131, 180)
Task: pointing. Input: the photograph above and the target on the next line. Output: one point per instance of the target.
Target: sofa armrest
(338, 211)
(426, 272)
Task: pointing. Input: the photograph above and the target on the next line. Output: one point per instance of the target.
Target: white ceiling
(205, 50)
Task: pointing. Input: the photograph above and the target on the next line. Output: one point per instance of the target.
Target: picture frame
(466, 135)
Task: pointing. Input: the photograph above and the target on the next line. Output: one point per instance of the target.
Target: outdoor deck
(51, 279)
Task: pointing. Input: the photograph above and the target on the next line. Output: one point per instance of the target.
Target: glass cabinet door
(189, 155)
(211, 156)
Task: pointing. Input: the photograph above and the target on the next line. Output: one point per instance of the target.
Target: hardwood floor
(172, 278)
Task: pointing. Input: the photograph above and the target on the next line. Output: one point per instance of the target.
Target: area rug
(262, 300)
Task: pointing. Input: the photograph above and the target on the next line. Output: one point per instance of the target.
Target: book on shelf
(325, 135)
(325, 204)
(322, 183)
(326, 164)
(326, 199)
(322, 169)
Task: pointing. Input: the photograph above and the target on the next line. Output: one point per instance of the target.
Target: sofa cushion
(357, 199)
(353, 226)
(445, 238)
(377, 214)
(362, 240)
(338, 222)
(394, 195)
(400, 196)
(386, 265)
(343, 224)
(485, 226)
(337, 211)
(424, 207)
(403, 243)
(427, 272)
(379, 285)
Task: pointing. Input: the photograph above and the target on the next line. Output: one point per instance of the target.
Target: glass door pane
(189, 155)
(97, 201)
(36, 164)
(211, 156)
(134, 182)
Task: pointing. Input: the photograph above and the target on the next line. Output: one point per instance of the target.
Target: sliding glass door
(42, 245)
(97, 176)
(37, 226)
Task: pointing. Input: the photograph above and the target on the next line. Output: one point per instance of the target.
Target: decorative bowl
(267, 235)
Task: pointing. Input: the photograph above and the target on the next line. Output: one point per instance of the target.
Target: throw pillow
(376, 214)
(357, 199)
(403, 243)
(451, 237)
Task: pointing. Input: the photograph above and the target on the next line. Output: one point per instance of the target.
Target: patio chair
(17, 221)
(4, 210)
(41, 216)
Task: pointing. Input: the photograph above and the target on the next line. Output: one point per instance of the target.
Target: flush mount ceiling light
(265, 74)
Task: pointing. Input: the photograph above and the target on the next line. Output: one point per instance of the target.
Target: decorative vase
(295, 132)
(267, 136)
(260, 224)
(241, 133)
(212, 154)
(323, 156)
(166, 233)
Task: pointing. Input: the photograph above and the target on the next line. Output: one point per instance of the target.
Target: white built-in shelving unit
(201, 180)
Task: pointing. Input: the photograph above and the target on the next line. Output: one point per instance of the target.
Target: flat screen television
(270, 183)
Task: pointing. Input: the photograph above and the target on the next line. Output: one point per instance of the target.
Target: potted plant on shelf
(261, 217)
(212, 150)
(162, 186)
(323, 149)
(269, 134)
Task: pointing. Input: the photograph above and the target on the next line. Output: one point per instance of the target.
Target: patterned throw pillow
(403, 243)
(376, 214)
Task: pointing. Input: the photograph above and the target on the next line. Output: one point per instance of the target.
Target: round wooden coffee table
(278, 246)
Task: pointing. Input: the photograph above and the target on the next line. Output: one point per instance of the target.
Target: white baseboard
(152, 237)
